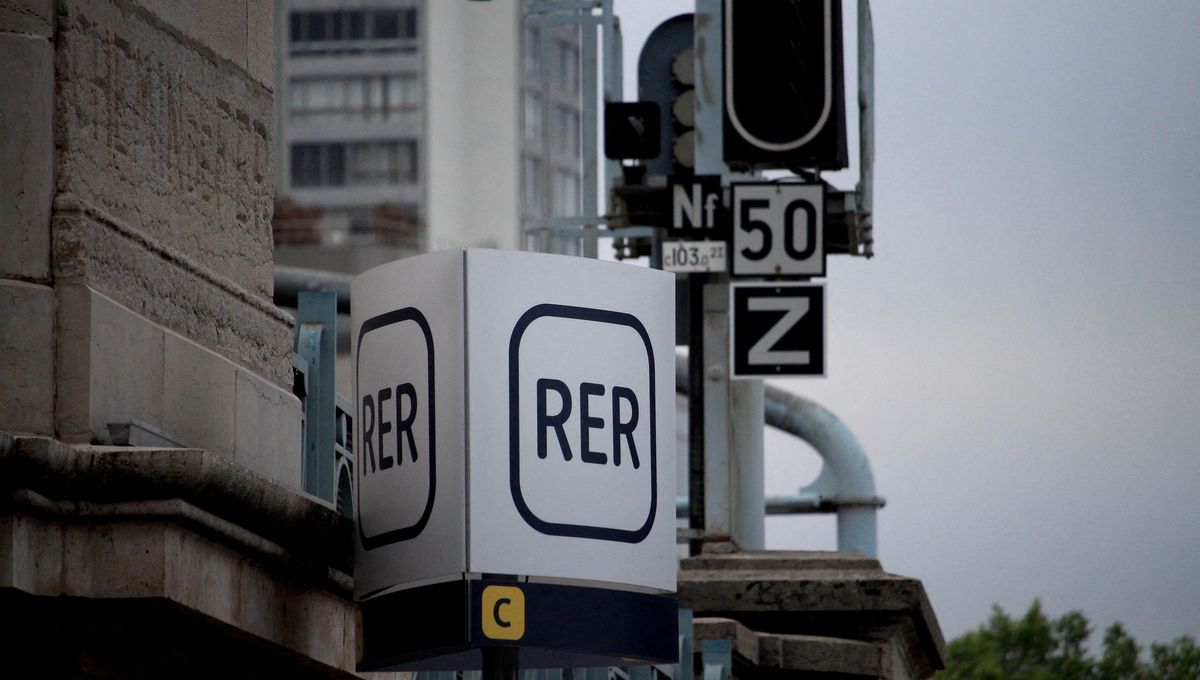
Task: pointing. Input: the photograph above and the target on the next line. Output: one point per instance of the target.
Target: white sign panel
(409, 447)
(554, 430)
(778, 229)
(572, 418)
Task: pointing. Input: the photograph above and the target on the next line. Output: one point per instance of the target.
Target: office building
(354, 108)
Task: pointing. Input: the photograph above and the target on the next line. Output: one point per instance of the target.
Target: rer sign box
(514, 415)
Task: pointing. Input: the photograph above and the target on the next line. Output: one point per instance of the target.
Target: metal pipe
(845, 485)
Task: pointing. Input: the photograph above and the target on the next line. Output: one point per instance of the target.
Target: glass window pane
(533, 185)
(391, 164)
(410, 23)
(322, 94)
(295, 26)
(573, 139)
(411, 91)
(532, 50)
(316, 26)
(355, 25)
(298, 165)
(407, 162)
(355, 93)
(395, 96)
(336, 165)
(375, 101)
(296, 91)
(533, 118)
(387, 25)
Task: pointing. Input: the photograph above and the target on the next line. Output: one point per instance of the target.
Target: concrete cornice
(815, 593)
(216, 492)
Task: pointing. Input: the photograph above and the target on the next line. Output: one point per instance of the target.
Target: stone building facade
(136, 186)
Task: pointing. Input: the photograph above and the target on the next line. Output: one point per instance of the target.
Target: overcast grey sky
(1022, 358)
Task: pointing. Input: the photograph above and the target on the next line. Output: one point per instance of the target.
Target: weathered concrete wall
(27, 334)
(154, 279)
(165, 136)
(162, 147)
(135, 242)
(135, 287)
(26, 138)
(26, 188)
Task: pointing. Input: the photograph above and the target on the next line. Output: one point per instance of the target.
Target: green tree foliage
(1035, 647)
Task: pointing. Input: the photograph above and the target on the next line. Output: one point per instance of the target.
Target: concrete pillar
(472, 145)
(136, 276)
(135, 240)
(26, 188)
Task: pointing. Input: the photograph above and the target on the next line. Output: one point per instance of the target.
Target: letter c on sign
(496, 613)
(503, 613)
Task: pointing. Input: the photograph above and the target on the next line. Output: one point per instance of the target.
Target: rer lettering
(556, 422)
(375, 424)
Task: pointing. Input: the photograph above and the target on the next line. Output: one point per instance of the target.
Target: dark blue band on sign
(439, 627)
(514, 425)
(411, 314)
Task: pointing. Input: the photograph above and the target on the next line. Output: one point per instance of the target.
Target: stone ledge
(745, 641)
(818, 594)
(305, 528)
(216, 556)
(71, 637)
(758, 652)
(117, 366)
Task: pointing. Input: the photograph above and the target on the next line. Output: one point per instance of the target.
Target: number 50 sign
(778, 229)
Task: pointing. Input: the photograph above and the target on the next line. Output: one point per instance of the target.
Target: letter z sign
(778, 330)
(778, 229)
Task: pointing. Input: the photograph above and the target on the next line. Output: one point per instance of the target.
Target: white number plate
(694, 256)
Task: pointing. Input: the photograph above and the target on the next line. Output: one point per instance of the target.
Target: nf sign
(696, 211)
(778, 229)
(514, 415)
(778, 330)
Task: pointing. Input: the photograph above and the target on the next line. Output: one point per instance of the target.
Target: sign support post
(734, 508)
(696, 408)
(499, 663)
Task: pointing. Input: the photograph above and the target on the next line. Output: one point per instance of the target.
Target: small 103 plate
(695, 256)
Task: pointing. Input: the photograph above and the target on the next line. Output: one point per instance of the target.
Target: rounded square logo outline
(514, 434)
(414, 530)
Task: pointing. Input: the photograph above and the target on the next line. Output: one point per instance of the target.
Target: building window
(567, 67)
(336, 164)
(533, 185)
(316, 165)
(353, 31)
(566, 130)
(564, 187)
(533, 119)
(533, 49)
(392, 98)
